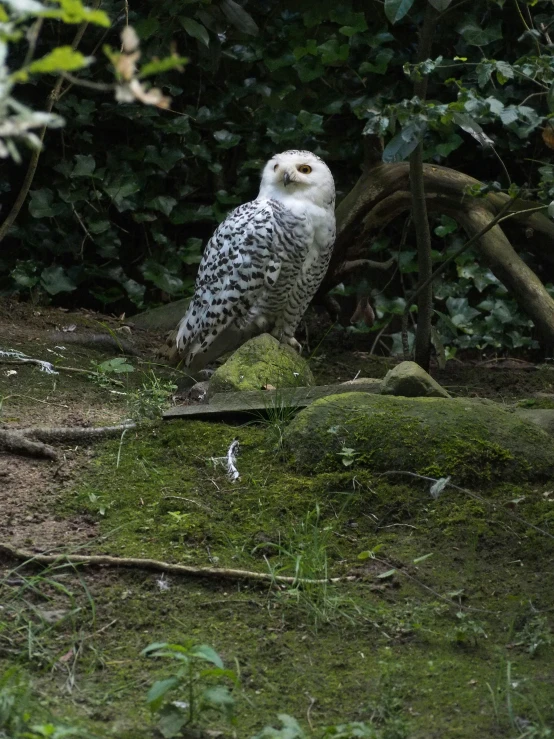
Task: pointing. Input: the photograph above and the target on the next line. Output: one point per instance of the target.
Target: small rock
(199, 392)
(408, 379)
(543, 417)
(260, 362)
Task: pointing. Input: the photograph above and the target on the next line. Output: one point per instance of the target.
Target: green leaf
(477, 34)
(158, 690)
(163, 203)
(55, 280)
(61, 59)
(158, 66)
(162, 277)
(402, 145)
(219, 697)
(381, 64)
(357, 24)
(166, 159)
(41, 204)
(417, 560)
(440, 5)
(195, 29)
(395, 10)
(333, 53)
(310, 122)
(226, 139)
(239, 18)
(309, 68)
(471, 126)
(24, 274)
(385, 575)
(117, 366)
(171, 721)
(84, 167)
(448, 226)
(203, 651)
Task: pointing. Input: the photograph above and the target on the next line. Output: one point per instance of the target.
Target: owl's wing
(240, 261)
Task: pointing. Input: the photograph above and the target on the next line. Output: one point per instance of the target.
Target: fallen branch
(97, 341)
(33, 441)
(98, 560)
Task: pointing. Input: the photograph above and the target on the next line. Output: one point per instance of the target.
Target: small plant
(275, 417)
(105, 373)
(290, 729)
(304, 553)
(535, 634)
(347, 455)
(467, 631)
(16, 711)
(151, 398)
(197, 688)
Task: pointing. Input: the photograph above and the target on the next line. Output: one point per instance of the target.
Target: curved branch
(97, 560)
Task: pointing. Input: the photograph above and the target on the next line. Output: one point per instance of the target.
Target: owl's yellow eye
(304, 169)
(275, 168)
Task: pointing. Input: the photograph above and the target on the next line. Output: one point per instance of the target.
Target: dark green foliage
(126, 195)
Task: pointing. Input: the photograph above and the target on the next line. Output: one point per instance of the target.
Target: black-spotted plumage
(264, 263)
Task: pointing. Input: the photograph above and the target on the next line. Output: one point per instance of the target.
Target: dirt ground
(50, 505)
(29, 397)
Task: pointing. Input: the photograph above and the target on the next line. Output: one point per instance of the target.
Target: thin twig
(97, 560)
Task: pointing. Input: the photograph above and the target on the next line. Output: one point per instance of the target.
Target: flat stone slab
(224, 405)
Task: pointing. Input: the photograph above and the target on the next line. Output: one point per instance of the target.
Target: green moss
(469, 440)
(259, 362)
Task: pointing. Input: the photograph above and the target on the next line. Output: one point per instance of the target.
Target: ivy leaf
(41, 205)
(357, 24)
(467, 124)
(509, 115)
(475, 34)
(55, 280)
(333, 53)
(84, 167)
(551, 209)
(310, 122)
(381, 64)
(484, 73)
(402, 145)
(166, 159)
(162, 277)
(395, 10)
(195, 29)
(504, 72)
(24, 274)
(448, 226)
(163, 203)
(226, 139)
(440, 5)
(239, 18)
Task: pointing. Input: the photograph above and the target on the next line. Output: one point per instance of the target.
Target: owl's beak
(286, 179)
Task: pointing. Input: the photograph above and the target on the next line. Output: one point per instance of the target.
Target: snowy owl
(264, 263)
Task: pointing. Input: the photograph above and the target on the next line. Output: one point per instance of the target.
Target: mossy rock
(412, 381)
(260, 362)
(467, 439)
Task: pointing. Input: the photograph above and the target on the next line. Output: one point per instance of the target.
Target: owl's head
(299, 174)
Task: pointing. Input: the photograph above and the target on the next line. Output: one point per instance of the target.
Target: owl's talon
(295, 345)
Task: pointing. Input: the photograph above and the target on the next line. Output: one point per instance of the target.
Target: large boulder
(260, 362)
(467, 439)
(412, 381)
